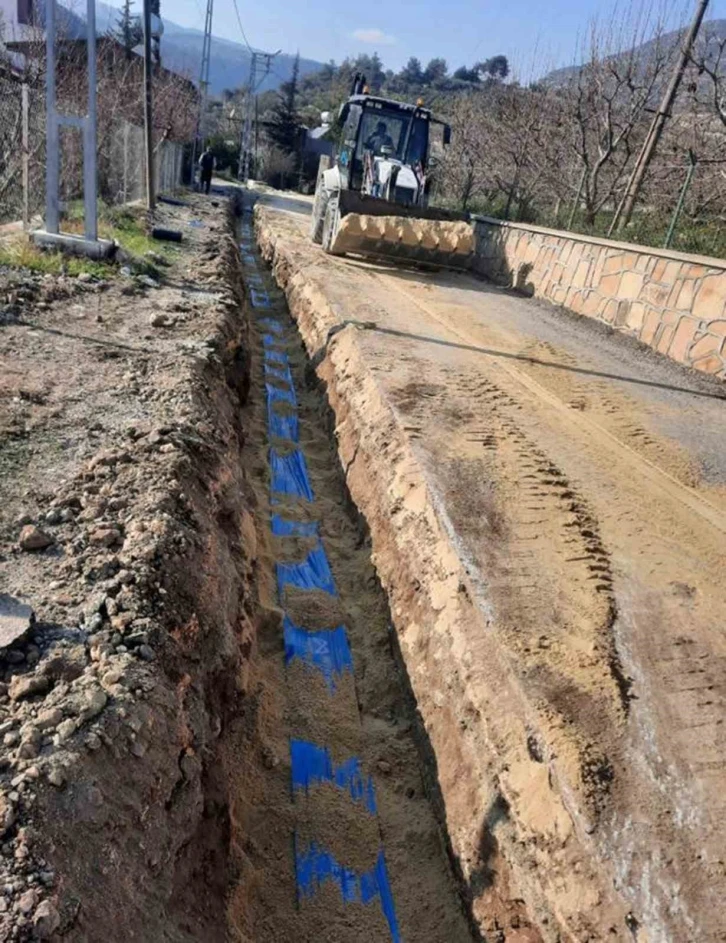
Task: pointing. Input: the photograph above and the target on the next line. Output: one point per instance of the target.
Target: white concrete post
(52, 158)
(90, 174)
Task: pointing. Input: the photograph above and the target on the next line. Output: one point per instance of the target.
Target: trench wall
(673, 302)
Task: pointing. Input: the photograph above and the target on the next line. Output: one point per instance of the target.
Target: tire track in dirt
(546, 571)
(659, 477)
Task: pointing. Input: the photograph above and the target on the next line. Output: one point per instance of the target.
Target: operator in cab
(379, 139)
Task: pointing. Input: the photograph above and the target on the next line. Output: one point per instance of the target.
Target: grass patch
(22, 254)
(124, 225)
(127, 226)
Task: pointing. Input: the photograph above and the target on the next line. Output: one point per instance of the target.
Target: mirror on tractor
(343, 113)
(447, 135)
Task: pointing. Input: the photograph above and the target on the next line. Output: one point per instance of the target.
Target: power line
(241, 28)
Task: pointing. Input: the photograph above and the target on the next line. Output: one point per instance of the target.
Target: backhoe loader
(374, 200)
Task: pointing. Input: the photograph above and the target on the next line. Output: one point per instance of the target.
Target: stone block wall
(673, 302)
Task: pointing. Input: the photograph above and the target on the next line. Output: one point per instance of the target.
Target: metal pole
(26, 157)
(257, 130)
(576, 204)
(625, 210)
(681, 200)
(52, 158)
(126, 161)
(203, 85)
(148, 108)
(90, 174)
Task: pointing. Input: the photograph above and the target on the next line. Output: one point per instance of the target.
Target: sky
(536, 36)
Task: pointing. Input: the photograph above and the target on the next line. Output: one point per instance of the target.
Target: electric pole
(203, 85)
(148, 108)
(625, 209)
(260, 68)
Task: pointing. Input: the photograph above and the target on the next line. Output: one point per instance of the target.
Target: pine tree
(156, 11)
(285, 129)
(128, 30)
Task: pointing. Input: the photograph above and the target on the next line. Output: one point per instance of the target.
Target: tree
(496, 68)
(129, 31)
(411, 73)
(467, 75)
(284, 129)
(609, 100)
(156, 11)
(436, 70)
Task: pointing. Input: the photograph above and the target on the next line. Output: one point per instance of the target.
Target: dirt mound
(125, 468)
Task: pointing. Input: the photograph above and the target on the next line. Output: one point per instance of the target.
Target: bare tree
(607, 100)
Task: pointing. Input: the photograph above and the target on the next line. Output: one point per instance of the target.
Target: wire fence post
(681, 199)
(25, 92)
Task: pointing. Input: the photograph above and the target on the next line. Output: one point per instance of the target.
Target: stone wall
(674, 303)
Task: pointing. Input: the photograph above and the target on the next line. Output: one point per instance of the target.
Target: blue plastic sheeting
(269, 340)
(276, 394)
(312, 573)
(314, 866)
(272, 325)
(290, 474)
(327, 650)
(281, 426)
(313, 765)
(276, 356)
(283, 528)
(279, 373)
(260, 299)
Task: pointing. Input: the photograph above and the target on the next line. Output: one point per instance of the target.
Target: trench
(336, 828)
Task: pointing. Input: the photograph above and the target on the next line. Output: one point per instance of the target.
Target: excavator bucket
(373, 227)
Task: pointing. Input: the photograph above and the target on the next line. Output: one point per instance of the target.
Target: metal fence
(122, 178)
(22, 147)
(121, 167)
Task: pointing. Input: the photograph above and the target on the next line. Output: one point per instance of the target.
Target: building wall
(671, 301)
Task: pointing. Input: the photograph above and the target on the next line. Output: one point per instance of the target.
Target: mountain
(712, 32)
(181, 51)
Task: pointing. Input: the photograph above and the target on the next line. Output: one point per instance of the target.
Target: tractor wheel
(330, 225)
(321, 202)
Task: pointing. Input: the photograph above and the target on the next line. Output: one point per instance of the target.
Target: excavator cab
(390, 132)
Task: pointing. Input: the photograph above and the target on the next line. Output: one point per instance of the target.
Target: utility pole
(625, 209)
(203, 85)
(260, 68)
(148, 108)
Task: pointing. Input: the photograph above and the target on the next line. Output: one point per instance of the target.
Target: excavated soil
(548, 517)
(370, 715)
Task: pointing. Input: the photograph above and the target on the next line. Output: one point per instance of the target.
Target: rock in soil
(32, 538)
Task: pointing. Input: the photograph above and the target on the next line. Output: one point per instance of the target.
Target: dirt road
(547, 504)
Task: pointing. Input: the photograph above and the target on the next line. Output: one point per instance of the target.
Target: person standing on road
(206, 167)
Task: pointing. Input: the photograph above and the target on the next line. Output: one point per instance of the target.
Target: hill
(712, 31)
(181, 51)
